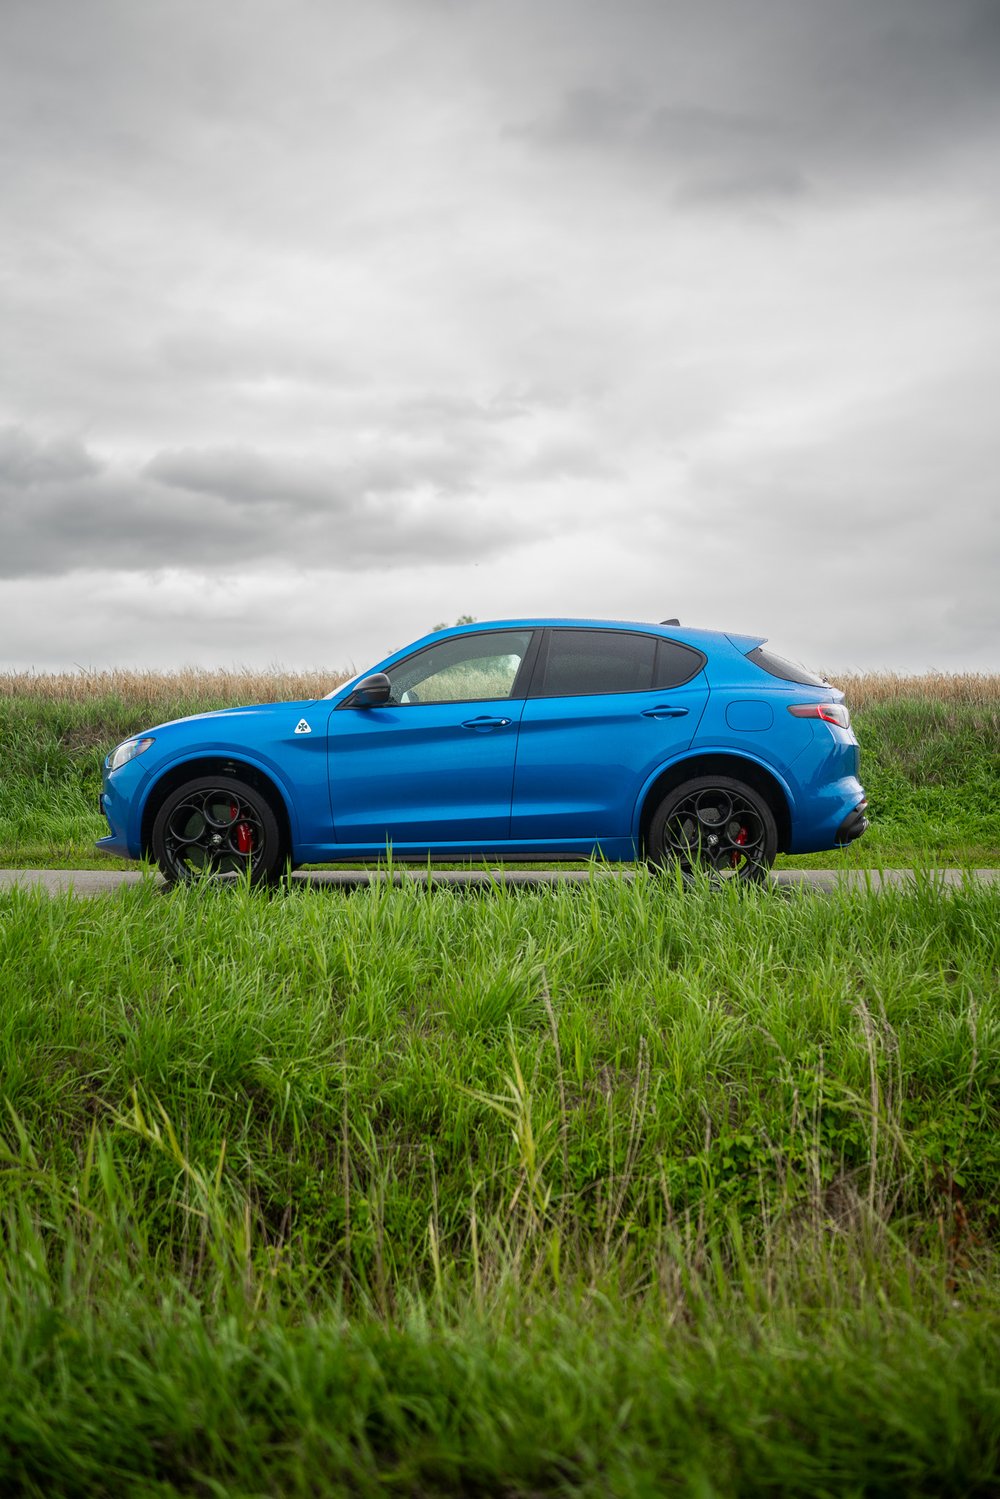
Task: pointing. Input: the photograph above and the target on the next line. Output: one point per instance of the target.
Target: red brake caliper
(244, 837)
(741, 838)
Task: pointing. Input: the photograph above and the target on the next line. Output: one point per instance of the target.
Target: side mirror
(370, 691)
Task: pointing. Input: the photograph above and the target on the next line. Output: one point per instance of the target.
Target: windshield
(341, 685)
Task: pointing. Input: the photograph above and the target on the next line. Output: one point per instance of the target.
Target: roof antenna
(669, 621)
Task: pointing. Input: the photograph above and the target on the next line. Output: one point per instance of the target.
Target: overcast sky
(322, 322)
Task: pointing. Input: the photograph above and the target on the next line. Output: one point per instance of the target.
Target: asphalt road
(98, 881)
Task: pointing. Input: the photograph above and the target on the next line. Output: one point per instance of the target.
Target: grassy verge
(930, 760)
(607, 1190)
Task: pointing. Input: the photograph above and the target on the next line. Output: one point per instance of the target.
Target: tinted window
(788, 671)
(676, 664)
(588, 661)
(464, 669)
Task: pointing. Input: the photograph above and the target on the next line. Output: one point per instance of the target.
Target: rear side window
(582, 662)
(788, 671)
(676, 664)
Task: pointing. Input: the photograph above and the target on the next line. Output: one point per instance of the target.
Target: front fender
(190, 755)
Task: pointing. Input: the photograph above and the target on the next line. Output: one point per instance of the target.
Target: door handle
(663, 710)
(485, 723)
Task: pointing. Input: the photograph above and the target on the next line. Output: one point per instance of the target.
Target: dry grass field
(967, 689)
(155, 690)
(243, 685)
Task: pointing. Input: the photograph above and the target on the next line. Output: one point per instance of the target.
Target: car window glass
(785, 670)
(589, 661)
(676, 663)
(466, 668)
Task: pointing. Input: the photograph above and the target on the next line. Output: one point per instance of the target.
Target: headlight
(127, 751)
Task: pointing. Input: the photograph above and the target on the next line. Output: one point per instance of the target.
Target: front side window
(467, 668)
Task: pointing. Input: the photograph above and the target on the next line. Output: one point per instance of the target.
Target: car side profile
(533, 739)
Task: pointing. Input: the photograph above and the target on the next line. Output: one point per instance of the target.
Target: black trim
(374, 678)
(538, 670)
(525, 671)
(853, 825)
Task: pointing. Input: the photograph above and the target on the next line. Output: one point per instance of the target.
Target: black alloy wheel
(216, 827)
(716, 826)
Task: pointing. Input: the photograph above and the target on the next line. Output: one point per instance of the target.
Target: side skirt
(615, 850)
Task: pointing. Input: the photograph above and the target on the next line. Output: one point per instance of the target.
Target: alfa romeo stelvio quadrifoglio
(528, 739)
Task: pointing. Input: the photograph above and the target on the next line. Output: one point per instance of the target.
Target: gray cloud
(527, 305)
(759, 185)
(708, 154)
(806, 95)
(222, 508)
(248, 481)
(231, 355)
(27, 461)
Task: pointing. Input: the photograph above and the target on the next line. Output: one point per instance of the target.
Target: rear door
(436, 763)
(604, 710)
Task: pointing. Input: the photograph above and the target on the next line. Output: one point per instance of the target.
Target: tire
(217, 827)
(715, 826)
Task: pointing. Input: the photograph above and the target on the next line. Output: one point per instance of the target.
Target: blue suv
(533, 739)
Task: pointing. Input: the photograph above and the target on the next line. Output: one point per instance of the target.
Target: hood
(261, 711)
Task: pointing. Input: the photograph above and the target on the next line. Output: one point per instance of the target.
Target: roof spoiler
(746, 643)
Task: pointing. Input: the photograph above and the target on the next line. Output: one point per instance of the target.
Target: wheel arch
(207, 765)
(737, 767)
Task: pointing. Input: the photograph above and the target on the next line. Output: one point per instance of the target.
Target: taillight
(829, 712)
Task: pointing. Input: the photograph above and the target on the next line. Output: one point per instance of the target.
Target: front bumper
(116, 847)
(116, 842)
(119, 802)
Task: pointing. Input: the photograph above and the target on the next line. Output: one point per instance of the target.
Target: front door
(434, 765)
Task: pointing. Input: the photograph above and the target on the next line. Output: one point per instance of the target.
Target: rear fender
(706, 760)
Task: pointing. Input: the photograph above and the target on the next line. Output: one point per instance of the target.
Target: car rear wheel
(216, 827)
(716, 826)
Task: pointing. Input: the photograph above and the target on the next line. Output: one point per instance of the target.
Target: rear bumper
(853, 825)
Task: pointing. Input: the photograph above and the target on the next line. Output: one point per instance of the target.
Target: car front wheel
(216, 827)
(716, 826)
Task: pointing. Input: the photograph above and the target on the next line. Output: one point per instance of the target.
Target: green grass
(603, 1190)
(931, 767)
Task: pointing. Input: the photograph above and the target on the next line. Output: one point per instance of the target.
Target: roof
(689, 635)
